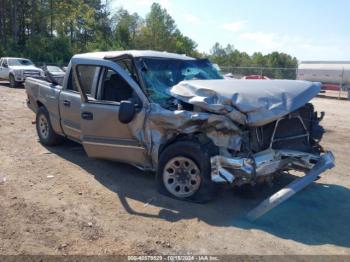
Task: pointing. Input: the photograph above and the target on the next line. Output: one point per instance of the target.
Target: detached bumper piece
(224, 169)
(241, 171)
(325, 162)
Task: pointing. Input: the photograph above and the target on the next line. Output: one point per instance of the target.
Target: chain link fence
(273, 73)
(339, 91)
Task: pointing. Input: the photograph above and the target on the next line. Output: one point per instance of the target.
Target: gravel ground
(59, 201)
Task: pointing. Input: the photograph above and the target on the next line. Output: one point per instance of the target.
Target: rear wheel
(184, 172)
(13, 82)
(46, 134)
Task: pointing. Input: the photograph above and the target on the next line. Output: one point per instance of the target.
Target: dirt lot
(58, 201)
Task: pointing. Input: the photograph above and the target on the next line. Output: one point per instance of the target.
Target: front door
(103, 135)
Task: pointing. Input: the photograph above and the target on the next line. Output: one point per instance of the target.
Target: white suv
(16, 70)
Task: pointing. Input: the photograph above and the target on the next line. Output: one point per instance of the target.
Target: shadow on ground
(318, 215)
(7, 84)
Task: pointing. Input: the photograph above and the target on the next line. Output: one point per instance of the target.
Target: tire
(195, 175)
(46, 134)
(13, 82)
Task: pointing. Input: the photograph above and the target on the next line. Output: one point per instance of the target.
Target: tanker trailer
(334, 75)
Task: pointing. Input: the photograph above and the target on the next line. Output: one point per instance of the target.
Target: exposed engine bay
(291, 142)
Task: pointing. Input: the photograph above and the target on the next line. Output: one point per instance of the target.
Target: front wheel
(46, 134)
(13, 82)
(184, 172)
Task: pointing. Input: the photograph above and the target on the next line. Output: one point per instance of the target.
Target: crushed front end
(289, 143)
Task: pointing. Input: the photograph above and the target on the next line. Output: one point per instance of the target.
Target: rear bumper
(248, 170)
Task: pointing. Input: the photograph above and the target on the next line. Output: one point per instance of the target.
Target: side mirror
(126, 112)
(5, 65)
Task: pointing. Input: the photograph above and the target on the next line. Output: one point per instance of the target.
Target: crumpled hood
(250, 102)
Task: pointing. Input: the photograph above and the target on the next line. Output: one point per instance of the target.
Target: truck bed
(43, 93)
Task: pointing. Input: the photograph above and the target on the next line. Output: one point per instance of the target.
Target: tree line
(274, 65)
(52, 31)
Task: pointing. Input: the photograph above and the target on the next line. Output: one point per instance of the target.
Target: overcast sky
(307, 29)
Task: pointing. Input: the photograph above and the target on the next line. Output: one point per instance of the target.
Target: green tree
(159, 32)
(185, 45)
(52, 31)
(159, 29)
(126, 28)
(272, 65)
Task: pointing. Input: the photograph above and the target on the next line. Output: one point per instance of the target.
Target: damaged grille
(290, 133)
(299, 130)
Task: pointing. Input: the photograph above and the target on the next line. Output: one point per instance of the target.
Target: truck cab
(93, 92)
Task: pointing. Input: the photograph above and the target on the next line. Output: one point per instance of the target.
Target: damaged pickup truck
(176, 115)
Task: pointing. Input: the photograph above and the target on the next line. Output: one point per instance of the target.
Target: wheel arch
(56, 125)
(52, 137)
(40, 104)
(198, 137)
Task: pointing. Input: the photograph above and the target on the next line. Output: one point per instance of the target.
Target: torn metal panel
(260, 101)
(225, 169)
(162, 125)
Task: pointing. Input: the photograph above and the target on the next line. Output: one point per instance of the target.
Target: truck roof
(134, 53)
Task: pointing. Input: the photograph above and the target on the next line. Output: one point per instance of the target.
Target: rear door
(69, 105)
(102, 134)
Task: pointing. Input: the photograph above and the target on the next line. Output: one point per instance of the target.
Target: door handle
(87, 115)
(66, 102)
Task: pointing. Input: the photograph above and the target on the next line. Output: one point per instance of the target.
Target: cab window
(114, 87)
(4, 63)
(88, 76)
(103, 84)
